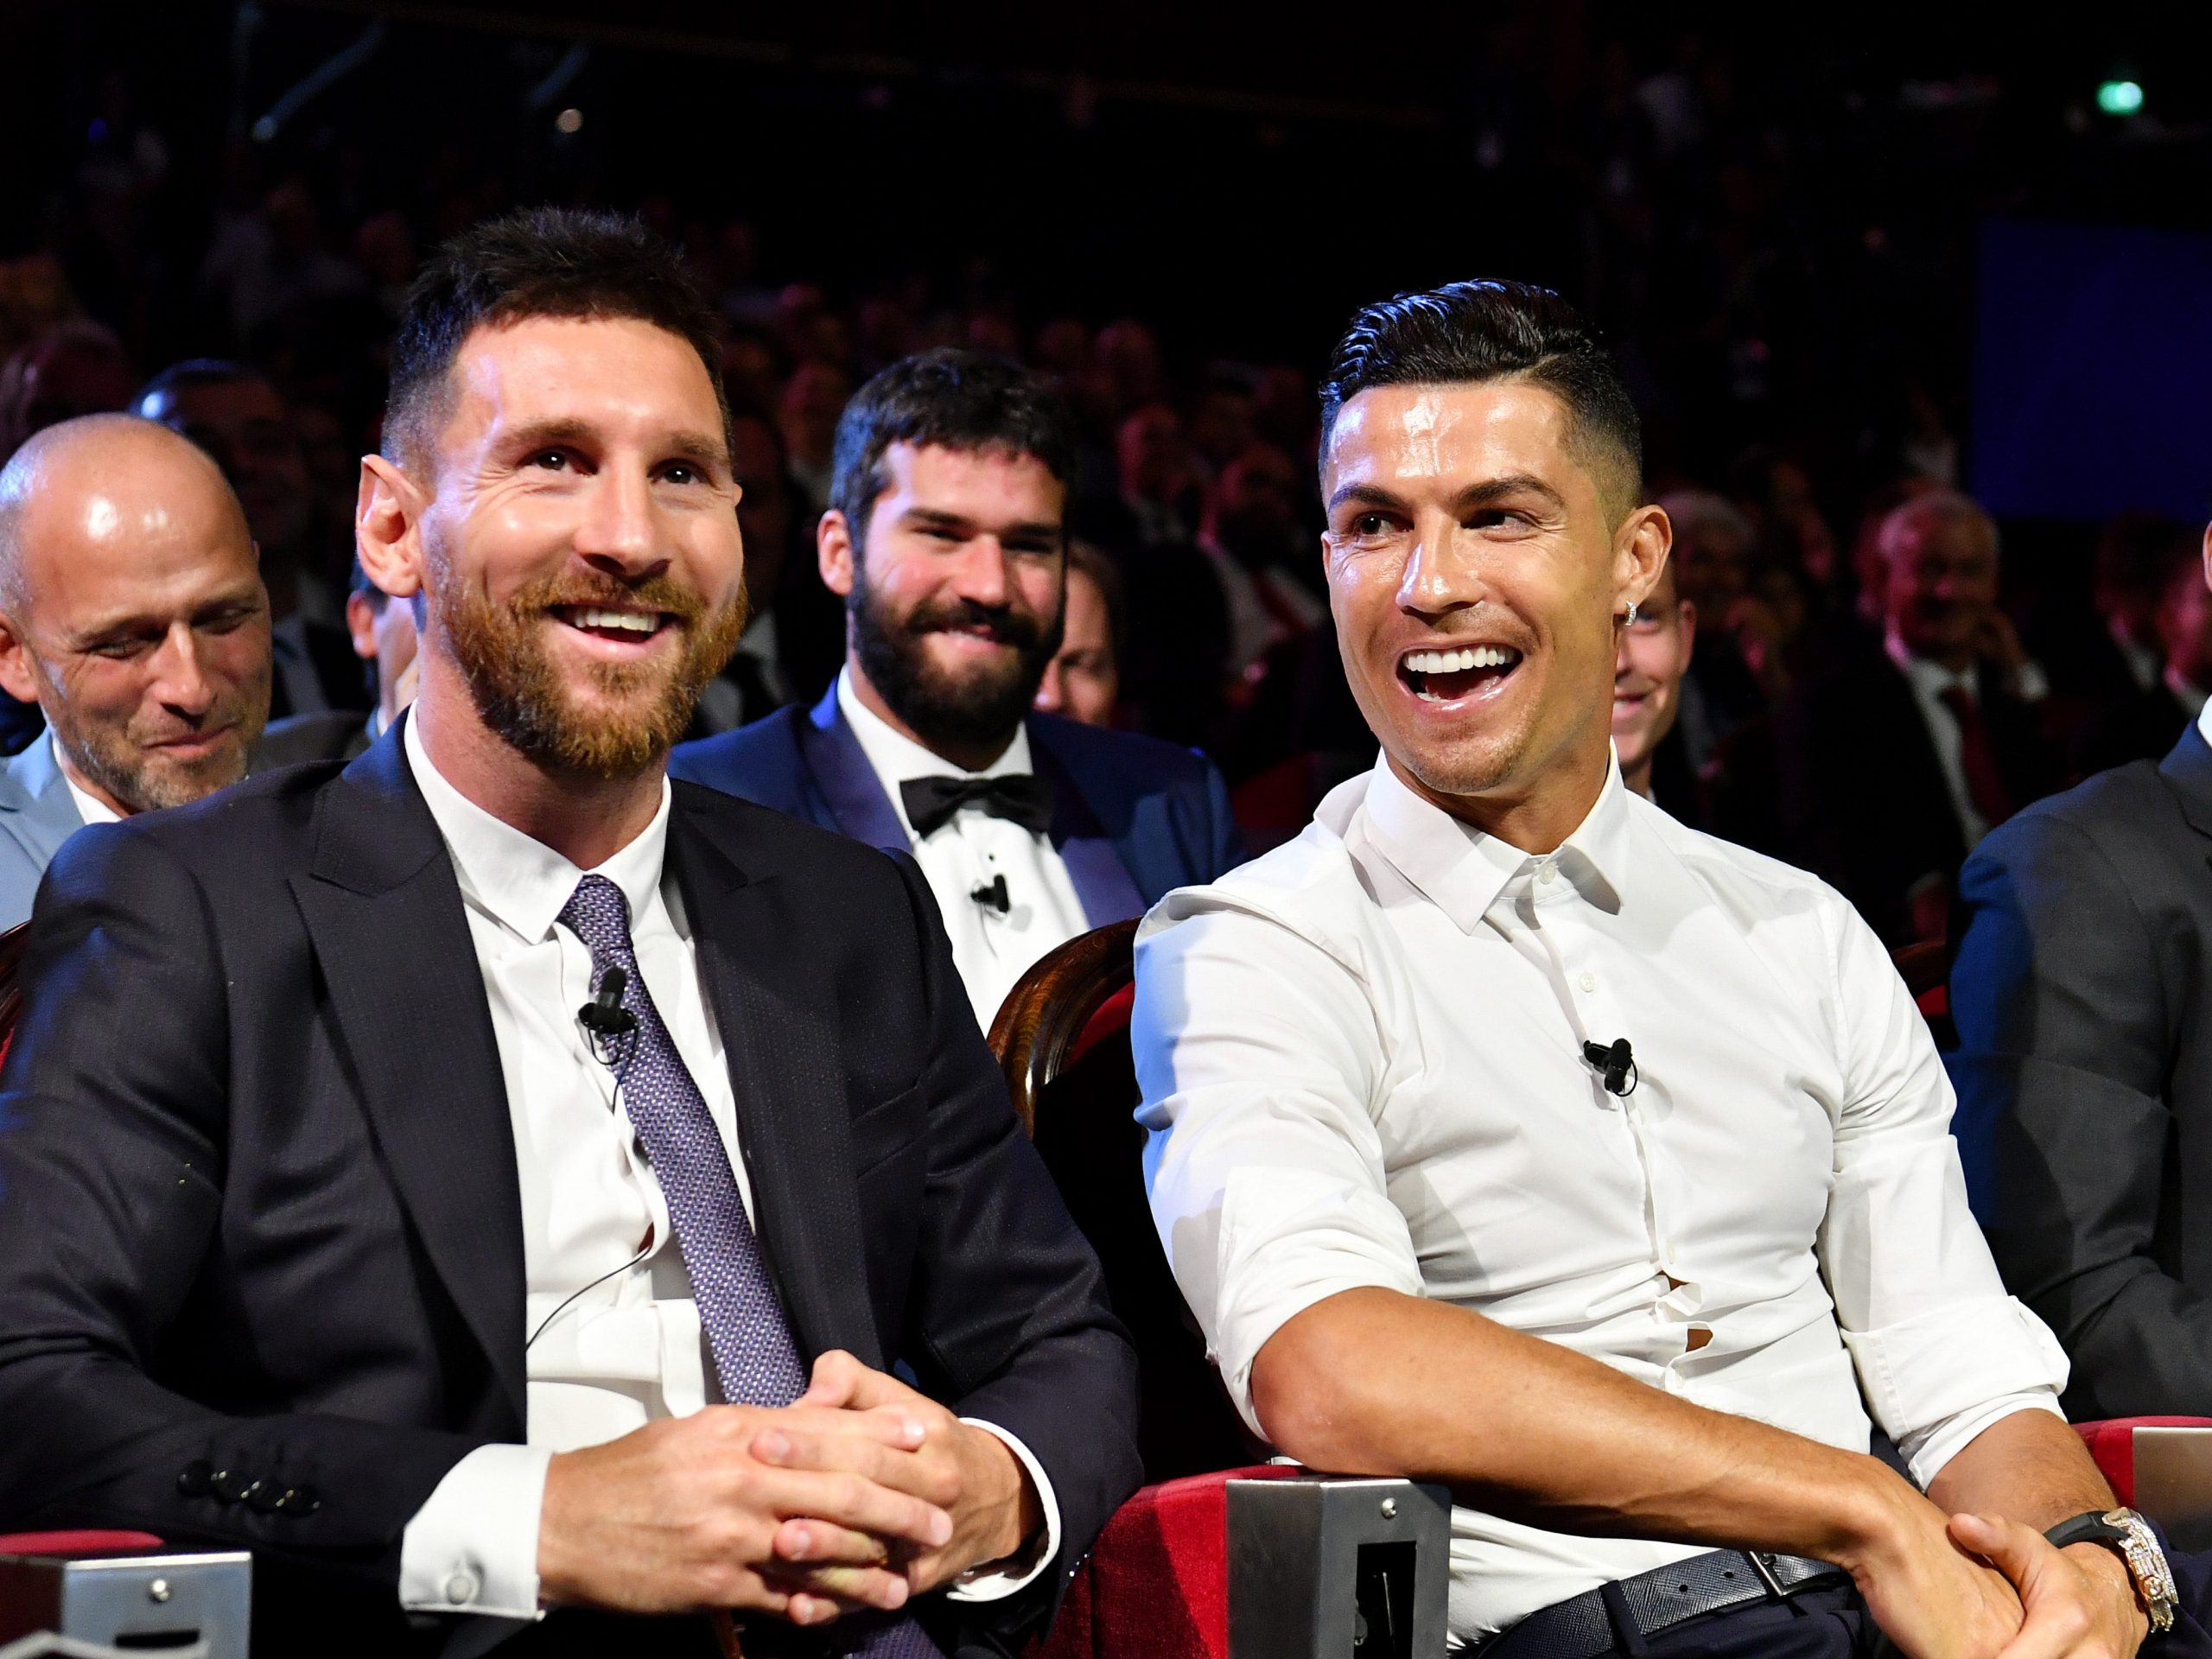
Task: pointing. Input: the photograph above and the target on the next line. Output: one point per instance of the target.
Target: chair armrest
(2161, 1465)
(1184, 1564)
(114, 1590)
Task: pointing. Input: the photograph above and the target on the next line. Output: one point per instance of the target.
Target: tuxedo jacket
(259, 1210)
(1133, 817)
(1863, 798)
(2083, 994)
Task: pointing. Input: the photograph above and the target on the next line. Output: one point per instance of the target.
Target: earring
(1629, 619)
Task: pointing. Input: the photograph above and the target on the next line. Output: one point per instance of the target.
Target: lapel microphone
(1616, 1064)
(604, 1015)
(992, 894)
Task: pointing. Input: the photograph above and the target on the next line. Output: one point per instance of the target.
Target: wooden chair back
(1062, 1038)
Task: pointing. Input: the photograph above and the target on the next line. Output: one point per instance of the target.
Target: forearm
(1534, 1431)
(2029, 1467)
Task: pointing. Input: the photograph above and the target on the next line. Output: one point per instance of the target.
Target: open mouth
(627, 627)
(1450, 676)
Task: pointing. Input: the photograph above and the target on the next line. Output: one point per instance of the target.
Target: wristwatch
(2128, 1536)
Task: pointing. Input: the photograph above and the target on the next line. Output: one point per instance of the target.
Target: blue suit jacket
(37, 814)
(1133, 817)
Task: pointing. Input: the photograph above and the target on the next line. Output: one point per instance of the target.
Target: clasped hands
(1969, 1586)
(860, 1494)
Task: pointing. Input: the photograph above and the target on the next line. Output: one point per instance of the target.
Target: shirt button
(1545, 872)
(461, 1588)
(1588, 980)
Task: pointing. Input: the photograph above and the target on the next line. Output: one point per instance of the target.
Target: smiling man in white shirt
(1625, 1145)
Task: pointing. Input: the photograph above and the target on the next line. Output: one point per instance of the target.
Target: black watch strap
(2091, 1528)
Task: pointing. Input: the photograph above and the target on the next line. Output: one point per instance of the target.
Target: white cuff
(473, 1546)
(993, 1581)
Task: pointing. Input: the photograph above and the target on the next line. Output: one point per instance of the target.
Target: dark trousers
(1834, 1624)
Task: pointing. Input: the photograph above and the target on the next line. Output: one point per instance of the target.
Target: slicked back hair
(968, 401)
(539, 262)
(1471, 334)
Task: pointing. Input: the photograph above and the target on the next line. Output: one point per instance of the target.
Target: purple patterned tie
(754, 1354)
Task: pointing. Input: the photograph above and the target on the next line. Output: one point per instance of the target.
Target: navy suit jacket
(1133, 817)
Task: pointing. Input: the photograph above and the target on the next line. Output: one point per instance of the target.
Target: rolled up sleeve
(1260, 1063)
(1942, 1350)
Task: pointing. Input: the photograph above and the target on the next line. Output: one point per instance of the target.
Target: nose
(982, 576)
(1621, 667)
(1051, 698)
(181, 680)
(618, 532)
(1438, 578)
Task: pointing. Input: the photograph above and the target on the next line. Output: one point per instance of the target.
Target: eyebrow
(149, 623)
(697, 447)
(1475, 495)
(936, 519)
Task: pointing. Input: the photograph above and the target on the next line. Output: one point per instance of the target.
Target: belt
(1582, 1627)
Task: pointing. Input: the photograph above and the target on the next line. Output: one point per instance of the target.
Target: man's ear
(387, 536)
(16, 674)
(1641, 548)
(834, 553)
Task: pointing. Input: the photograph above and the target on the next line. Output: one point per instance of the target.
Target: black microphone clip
(992, 895)
(1616, 1064)
(604, 1015)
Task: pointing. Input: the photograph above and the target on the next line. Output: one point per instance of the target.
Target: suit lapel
(782, 1050)
(1095, 861)
(40, 811)
(2188, 772)
(392, 941)
(847, 783)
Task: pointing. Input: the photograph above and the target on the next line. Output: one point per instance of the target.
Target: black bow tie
(1021, 797)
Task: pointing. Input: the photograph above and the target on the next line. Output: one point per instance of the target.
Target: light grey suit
(37, 814)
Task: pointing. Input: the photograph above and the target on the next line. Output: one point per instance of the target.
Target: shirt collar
(520, 882)
(1929, 677)
(90, 807)
(897, 758)
(1463, 870)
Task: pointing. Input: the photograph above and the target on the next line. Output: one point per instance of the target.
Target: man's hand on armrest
(1534, 1431)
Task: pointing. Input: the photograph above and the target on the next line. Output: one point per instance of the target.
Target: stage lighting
(2119, 98)
(569, 121)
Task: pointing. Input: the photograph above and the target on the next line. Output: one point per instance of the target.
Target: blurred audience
(77, 367)
(383, 636)
(1898, 760)
(1267, 566)
(132, 615)
(2158, 616)
(1159, 477)
(1084, 679)
(2082, 995)
(1655, 651)
(1711, 566)
(946, 538)
(236, 415)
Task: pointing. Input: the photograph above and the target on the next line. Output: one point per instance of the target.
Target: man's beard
(117, 761)
(518, 690)
(978, 710)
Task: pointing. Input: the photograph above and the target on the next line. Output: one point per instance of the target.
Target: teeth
(629, 621)
(1454, 662)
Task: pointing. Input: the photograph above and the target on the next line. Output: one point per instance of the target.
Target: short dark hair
(196, 371)
(539, 262)
(1466, 334)
(957, 399)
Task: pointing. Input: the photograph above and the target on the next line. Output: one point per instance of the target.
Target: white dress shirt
(991, 949)
(1361, 1059)
(614, 1338)
(89, 808)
